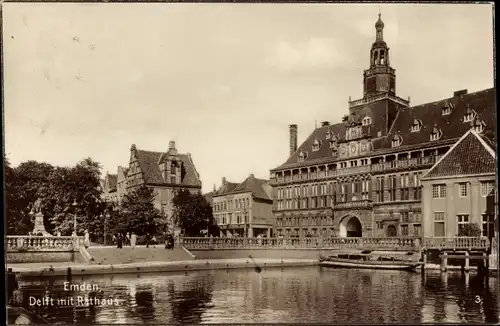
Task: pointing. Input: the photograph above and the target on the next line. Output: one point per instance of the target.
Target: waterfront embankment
(37, 270)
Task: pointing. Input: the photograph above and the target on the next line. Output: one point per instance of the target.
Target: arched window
(416, 126)
(302, 156)
(470, 115)
(396, 141)
(436, 134)
(316, 145)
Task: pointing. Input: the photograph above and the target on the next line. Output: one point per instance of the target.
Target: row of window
(439, 190)
(304, 221)
(226, 219)
(487, 224)
(231, 204)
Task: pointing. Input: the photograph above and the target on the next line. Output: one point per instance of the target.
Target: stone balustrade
(465, 243)
(403, 243)
(41, 243)
(365, 203)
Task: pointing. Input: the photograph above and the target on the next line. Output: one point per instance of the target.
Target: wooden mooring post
(444, 262)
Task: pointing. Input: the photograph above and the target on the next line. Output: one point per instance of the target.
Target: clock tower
(380, 77)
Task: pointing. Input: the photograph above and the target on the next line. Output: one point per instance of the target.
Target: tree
(58, 188)
(192, 213)
(18, 221)
(138, 214)
(470, 230)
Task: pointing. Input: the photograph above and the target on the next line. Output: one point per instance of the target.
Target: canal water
(301, 295)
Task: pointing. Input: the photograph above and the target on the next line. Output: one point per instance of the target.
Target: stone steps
(126, 255)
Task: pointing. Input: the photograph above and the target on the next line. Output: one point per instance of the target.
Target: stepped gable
(451, 125)
(470, 155)
(148, 162)
(255, 186)
(338, 130)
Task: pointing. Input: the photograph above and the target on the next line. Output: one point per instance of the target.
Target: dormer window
(479, 126)
(334, 152)
(333, 144)
(302, 156)
(436, 133)
(416, 126)
(448, 107)
(470, 115)
(329, 135)
(316, 145)
(397, 141)
(366, 121)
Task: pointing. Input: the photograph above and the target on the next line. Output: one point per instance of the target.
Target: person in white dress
(133, 239)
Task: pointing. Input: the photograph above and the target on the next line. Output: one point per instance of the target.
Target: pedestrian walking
(86, 240)
(133, 239)
(119, 241)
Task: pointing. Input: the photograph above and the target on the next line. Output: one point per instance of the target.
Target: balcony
(374, 168)
(353, 204)
(457, 243)
(376, 98)
(405, 164)
(353, 170)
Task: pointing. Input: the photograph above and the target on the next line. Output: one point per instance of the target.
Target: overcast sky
(222, 80)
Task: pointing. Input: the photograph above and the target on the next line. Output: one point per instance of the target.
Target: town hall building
(362, 176)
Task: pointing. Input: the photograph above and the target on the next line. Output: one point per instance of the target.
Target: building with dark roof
(109, 192)
(361, 177)
(244, 209)
(163, 171)
(460, 189)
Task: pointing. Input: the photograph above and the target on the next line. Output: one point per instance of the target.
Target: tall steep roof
(149, 163)
(255, 186)
(469, 156)
(481, 104)
(225, 188)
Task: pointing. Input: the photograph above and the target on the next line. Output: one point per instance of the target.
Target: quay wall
(156, 267)
(43, 256)
(308, 253)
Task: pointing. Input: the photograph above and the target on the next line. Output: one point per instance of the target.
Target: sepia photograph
(178, 163)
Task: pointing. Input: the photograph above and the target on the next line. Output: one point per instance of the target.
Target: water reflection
(305, 295)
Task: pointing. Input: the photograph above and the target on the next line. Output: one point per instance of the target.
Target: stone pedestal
(39, 227)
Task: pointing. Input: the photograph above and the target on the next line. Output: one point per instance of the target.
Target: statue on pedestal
(39, 227)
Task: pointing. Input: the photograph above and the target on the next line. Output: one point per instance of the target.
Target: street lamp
(106, 226)
(74, 217)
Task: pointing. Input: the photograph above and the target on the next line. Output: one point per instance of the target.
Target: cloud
(312, 54)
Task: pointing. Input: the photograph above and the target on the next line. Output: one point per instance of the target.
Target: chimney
(459, 93)
(132, 148)
(171, 144)
(293, 139)
(251, 175)
(224, 181)
(325, 123)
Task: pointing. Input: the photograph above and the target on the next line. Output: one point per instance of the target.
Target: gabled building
(121, 183)
(244, 209)
(361, 177)
(460, 189)
(109, 193)
(165, 172)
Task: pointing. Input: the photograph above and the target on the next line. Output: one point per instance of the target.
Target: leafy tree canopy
(138, 214)
(470, 230)
(58, 188)
(192, 213)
